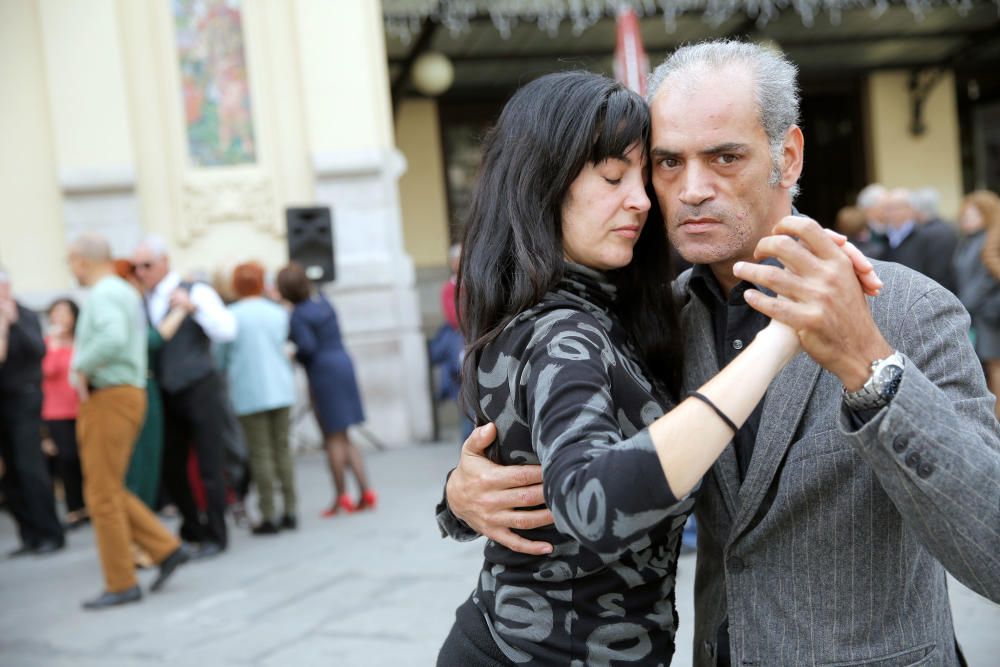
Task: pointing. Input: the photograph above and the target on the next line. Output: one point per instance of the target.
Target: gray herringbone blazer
(834, 549)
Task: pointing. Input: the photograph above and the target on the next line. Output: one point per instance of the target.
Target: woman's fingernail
(737, 266)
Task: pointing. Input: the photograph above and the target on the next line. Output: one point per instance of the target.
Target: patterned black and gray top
(565, 389)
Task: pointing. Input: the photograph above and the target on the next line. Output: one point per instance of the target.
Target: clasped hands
(819, 292)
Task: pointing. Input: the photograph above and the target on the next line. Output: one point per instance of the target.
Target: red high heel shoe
(344, 505)
(368, 500)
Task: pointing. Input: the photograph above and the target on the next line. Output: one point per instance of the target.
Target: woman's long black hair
(512, 253)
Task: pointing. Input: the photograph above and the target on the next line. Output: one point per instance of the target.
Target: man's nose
(697, 185)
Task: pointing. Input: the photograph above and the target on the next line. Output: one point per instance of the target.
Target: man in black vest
(194, 393)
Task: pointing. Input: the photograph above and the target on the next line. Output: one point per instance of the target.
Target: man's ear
(792, 154)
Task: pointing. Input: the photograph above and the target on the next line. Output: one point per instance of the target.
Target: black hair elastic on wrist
(722, 415)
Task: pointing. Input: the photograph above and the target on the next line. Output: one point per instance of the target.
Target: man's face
(149, 268)
(78, 267)
(896, 209)
(712, 166)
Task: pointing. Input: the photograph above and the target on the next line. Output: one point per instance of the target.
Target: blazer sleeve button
(913, 459)
(924, 470)
(899, 444)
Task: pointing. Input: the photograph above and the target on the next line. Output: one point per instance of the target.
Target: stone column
(90, 119)
(348, 114)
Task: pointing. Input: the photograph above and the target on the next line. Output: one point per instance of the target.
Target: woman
(60, 403)
(262, 389)
(574, 354)
(335, 396)
(143, 475)
(977, 269)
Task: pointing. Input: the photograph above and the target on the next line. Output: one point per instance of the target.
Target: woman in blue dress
(335, 397)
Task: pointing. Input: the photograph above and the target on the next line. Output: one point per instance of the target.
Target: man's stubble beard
(732, 246)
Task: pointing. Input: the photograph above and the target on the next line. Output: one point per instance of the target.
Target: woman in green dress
(143, 475)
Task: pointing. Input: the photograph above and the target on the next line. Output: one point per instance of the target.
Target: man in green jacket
(109, 363)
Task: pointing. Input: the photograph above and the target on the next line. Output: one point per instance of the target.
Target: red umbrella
(631, 63)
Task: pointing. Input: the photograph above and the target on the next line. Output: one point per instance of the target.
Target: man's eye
(728, 158)
(669, 162)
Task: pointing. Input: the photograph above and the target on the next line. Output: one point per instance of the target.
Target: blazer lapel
(784, 406)
(701, 365)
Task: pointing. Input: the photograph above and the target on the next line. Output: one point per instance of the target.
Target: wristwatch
(881, 386)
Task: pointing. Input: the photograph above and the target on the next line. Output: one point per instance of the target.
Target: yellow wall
(422, 188)
(32, 243)
(903, 160)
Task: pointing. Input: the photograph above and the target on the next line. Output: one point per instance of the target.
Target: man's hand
(485, 495)
(8, 311)
(79, 382)
(824, 301)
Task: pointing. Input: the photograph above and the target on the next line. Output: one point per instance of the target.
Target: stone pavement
(361, 591)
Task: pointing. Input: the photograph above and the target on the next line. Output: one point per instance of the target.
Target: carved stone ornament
(243, 197)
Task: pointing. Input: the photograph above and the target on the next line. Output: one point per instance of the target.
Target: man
(923, 248)
(872, 465)
(195, 400)
(942, 237)
(26, 482)
(869, 202)
(109, 361)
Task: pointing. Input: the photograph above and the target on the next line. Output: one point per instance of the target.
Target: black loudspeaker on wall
(310, 241)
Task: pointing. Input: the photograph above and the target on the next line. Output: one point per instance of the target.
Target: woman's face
(971, 220)
(604, 211)
(61, 319)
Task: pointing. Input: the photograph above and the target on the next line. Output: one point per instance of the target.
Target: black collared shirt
(734, 325)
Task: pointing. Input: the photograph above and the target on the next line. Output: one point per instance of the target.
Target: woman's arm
(172, 322)
(603, 488)
(691, 437)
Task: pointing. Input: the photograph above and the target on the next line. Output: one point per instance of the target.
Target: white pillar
(349, 127)
(90, 119)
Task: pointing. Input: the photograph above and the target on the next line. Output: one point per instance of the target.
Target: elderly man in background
(26, 482)
(110, 366)
(195, 399)
(940, 236)
(906, 241)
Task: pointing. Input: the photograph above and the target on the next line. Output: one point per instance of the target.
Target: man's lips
(695, 225)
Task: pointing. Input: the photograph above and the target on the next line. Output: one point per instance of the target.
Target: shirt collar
(897, 235)
(167, 285)
(706, 287)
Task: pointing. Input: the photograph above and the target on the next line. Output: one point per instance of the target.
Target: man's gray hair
(774, 78)
(92, 246)
(871, 195)
(927, 202)
(155, 245)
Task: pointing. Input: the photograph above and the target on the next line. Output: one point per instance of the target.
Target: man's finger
(519, 496)
(515, 542)
(479, 440)
(810, 233)
(779, 281)
(526, 519)
(792, 254)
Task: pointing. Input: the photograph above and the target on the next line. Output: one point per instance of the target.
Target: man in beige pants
(110, 366)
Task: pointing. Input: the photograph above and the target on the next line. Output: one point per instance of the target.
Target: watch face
(887, 381)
